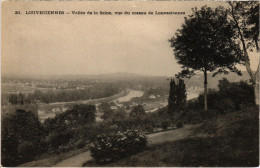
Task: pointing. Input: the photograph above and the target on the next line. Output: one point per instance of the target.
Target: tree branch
(247, 60)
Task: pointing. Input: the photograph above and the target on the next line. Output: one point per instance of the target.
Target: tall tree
(177, 96)
(245, 18)
(181, 94)
(204, 44)
(172, 98)
(20, 128)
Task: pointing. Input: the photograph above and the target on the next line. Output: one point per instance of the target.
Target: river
(50, 110)
(131, 94)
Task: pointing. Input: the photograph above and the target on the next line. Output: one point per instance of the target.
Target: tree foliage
(65, 129)
(21, 133)
(118, 115)
(245, 18)
(177, 96)
(172, 98)
(204, 43)
(230, 96)
(137, 112)
(64, 95)
(74, 117)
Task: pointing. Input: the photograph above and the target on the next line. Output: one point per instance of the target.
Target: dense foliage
(204, 44)
(120, 120)
(199, 44)
(113, 147)
(24, 138)
(177, 96)
(231, 96)
(21, 137)
(38, 96)
(245, 21)
(228, 141)
(137, 112)
(66, 127)
(78, 115)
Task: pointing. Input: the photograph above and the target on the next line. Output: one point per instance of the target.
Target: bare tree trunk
(256, 86)
(254, 76)
(247, 60)
(205, 91)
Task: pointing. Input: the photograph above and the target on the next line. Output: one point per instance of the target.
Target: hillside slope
(231, 140)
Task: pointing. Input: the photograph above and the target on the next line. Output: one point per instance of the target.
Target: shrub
(80, 144)
(20, 132)
(66, 148)
(237, 92)
(114, 147)
(26, 151)
(57, 139)
(149, 128)
(225, 106)
(137, 112)
(209, 114)
(165, 125)
(179, 125)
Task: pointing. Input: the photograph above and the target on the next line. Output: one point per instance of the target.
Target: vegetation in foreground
(50, 160)
(229, 140)
(228, 135)
(76, 128)
(113, 147)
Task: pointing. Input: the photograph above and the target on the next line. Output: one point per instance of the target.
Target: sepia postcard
(130, 83)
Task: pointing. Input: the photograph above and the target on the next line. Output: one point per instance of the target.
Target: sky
(92, 44)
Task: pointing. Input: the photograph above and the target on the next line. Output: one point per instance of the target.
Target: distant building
(152, 97)
(113, 107)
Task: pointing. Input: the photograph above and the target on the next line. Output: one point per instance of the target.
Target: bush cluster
(230, 97)
(108, 148)
(179, 125)
(21, 135)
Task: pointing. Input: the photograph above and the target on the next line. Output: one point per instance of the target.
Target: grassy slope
(230, 140)
(52, 160)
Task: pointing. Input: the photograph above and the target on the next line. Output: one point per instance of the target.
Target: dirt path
(75, 161)
(172, 135)
(156, 138)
